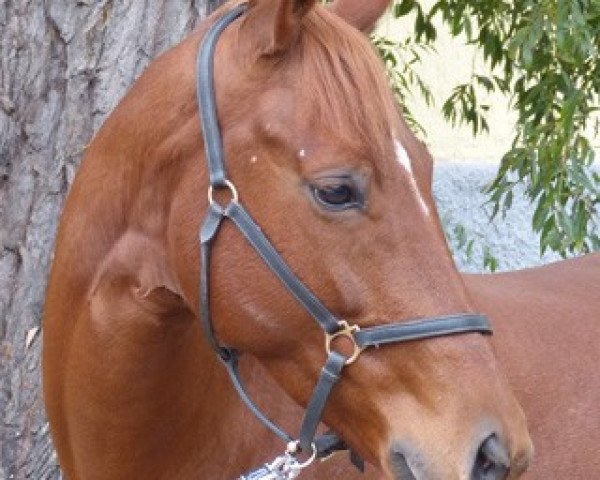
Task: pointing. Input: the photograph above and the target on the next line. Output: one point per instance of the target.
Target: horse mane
(347, 85)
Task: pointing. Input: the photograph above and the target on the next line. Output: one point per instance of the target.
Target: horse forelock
(346, 84)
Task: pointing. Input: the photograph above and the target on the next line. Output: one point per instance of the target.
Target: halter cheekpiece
(288, 465)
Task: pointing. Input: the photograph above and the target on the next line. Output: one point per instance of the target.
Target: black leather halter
(361, 338)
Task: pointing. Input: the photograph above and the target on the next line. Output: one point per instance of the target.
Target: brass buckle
(232, 190)
(347, 331)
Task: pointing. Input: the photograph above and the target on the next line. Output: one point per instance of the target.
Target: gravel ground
(457, 189)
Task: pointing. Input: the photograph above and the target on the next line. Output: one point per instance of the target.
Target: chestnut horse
(330, 171)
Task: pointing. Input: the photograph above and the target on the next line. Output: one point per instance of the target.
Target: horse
(318, 153)
(547, 324)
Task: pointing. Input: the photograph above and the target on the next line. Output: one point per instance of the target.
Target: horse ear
(360, 14)
(275, 24)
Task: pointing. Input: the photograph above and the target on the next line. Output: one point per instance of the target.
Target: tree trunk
(64, 66)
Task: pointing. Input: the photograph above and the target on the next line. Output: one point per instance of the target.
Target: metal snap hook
(229, 185)
(347, 331)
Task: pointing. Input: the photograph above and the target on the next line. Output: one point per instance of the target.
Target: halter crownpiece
(288, 466)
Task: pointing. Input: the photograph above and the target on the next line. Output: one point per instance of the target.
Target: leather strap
(329, 376)
(230, 357)
(213, 144)
(265, 249)
(422, 329)
(207, 233)
(232, 368)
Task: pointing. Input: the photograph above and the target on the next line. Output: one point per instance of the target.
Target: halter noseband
(333, 327)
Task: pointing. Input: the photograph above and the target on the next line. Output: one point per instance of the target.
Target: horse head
(321, 158)
(324, 162)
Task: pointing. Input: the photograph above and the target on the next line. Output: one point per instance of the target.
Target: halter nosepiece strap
(333, 327)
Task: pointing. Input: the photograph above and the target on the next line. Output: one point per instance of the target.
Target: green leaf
(403, 8)
(544, 57)
(469, 249)
(490, 262)
(540, 216)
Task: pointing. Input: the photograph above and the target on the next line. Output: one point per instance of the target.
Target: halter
(288, 466)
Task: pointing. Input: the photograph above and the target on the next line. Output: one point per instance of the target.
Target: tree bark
(64, 66)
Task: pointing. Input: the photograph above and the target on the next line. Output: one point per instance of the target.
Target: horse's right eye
(337, 194)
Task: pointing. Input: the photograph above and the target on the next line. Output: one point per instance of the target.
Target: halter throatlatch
(288, 465)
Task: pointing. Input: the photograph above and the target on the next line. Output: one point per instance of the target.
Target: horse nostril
(400, 466)
(492, 461)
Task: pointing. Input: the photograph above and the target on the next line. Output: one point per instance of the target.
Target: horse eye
(338, 196)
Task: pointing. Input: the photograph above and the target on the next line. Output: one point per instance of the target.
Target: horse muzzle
(492, 461)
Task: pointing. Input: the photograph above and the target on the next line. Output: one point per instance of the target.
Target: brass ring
(229, 185)
(347, 331)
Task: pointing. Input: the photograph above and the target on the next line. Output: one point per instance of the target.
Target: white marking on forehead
(302, 153)
(253, 159)
(404, 161)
